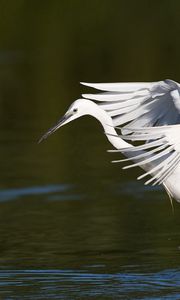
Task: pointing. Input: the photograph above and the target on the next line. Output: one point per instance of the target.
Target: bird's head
(77, 109)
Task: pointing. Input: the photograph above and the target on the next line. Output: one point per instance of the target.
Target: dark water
(73, 225)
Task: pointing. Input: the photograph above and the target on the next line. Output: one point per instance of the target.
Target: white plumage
(148, 113)
(139, 104)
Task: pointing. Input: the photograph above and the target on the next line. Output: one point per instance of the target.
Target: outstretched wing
(138, 105)
(162, 153)
(144, 105)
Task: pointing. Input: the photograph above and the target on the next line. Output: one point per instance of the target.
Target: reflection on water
(72, 284)
(12, 194)
(53, 247)
(59, 192)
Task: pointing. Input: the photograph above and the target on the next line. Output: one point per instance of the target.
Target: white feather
(120, 87)
(167, 146)
(159, 102)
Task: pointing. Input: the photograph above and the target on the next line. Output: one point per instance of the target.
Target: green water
(73, 225)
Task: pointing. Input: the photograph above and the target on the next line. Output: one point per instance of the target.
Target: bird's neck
(109, 130)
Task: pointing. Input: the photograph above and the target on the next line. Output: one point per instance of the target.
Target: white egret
(147, 112)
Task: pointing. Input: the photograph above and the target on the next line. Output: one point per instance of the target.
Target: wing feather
(163, 158)
(120, 87)
(148, 112)
(116, 96)
(157, 103)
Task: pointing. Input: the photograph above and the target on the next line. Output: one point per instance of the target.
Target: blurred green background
(46, 49)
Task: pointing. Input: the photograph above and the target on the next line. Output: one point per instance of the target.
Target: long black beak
(55, 127)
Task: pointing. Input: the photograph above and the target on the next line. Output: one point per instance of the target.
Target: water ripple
(12, 194)
(68, 284)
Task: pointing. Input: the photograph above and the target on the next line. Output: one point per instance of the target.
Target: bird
(142, 121)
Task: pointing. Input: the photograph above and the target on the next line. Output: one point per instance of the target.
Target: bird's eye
(75, 110)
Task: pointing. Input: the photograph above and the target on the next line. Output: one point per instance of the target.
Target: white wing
(139, 104)
(144, 105)
(163, 151)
